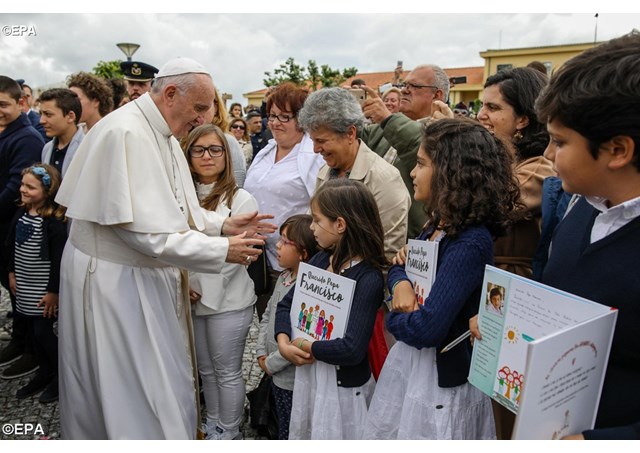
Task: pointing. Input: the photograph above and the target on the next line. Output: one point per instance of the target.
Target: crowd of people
(150, 227)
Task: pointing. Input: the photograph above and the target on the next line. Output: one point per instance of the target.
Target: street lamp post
(128, 49)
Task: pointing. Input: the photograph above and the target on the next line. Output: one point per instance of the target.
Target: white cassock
(125, 351)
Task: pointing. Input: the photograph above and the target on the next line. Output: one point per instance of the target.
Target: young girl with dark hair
(296, 245)
(464, 178)
(333, 383)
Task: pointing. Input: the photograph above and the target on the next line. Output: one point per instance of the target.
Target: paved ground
(15, 414)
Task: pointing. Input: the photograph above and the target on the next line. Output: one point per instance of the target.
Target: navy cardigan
(348, 353)
(454, 298)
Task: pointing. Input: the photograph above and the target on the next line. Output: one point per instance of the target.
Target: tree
(311, 76)
(288, 71)
(334, 77)
(108, 69)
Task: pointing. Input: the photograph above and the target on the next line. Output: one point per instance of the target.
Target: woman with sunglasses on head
(238, 128)
(283, 174)
(222, 303)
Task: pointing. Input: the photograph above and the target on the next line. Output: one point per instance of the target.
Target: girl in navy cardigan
(331, 396)
(463, 176)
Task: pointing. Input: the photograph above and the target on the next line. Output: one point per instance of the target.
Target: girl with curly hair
(465, 179)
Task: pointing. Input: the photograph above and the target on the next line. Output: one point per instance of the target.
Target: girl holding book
(464, 178)
(333, 384)
(296, 245)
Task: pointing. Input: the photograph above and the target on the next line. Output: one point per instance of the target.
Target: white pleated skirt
(409, 404)
(322, 410)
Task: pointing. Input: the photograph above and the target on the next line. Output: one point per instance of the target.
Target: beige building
(551, 56)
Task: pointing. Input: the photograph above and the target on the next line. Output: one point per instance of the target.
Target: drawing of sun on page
(522, 313)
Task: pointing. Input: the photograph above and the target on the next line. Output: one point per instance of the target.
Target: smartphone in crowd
(359, 94)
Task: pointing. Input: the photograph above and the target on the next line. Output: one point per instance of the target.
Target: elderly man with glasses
(396, 137)
(127, 368)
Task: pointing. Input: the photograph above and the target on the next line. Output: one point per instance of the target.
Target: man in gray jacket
(396, 137)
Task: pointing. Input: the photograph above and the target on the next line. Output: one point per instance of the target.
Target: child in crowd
(296, 245)
(38, 237)
(223, 303)
(333, 389)
(465, 179)
(592, 110)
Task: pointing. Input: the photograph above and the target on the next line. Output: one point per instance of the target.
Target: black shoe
(50, 393)
(10, 353)
(26, 364)
(38, 383)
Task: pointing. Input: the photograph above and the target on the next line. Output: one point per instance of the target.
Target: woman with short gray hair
(333, 118)
(332, 108)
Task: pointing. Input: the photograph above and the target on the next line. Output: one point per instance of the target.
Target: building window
(502, 67)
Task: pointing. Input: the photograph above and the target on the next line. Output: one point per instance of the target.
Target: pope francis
(124, 326)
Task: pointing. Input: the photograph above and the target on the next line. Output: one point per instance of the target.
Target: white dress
(409, 404)
(323, 411)
(126, 356)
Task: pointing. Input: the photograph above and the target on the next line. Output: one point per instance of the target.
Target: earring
(517, 136)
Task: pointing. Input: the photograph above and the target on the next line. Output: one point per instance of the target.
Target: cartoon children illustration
(319, 325)
(330, 327)
(304, 320)
(309, 317)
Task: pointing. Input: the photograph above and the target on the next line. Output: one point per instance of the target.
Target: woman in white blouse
(282, 176)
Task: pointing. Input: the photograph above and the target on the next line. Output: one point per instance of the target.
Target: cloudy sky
(239, 47)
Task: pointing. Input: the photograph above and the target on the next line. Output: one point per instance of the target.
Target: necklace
(345, 267)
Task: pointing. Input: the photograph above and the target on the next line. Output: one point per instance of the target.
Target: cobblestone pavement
(18, 413)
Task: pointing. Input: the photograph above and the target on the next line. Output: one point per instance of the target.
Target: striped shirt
(32, 273)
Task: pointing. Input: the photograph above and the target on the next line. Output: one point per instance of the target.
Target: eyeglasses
(285, 241)
(238, 126)
(213, 150)
(414, 86)
(281, 118)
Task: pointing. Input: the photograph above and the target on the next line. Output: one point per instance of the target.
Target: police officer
(138, 77)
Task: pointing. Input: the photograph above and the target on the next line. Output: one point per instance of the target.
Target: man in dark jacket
(20, 147)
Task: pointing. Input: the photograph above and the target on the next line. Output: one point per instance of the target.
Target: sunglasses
(238, 126)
